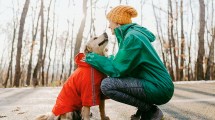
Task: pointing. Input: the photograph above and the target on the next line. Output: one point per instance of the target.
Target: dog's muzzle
(105, 39)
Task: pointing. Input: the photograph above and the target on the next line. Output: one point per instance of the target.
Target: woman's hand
(89, 57)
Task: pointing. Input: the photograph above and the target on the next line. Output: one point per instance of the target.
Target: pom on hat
(122, 14)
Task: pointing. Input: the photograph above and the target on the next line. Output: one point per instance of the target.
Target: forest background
(39, 38)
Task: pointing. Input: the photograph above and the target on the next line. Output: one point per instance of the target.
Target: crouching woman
(137, 76)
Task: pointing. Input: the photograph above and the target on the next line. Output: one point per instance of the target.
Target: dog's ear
(105, 52)
(88, 49)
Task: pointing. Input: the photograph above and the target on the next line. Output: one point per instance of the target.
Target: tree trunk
(1, 70)
(34, 35)
(52, 39)
(190, 74)
(201, 51)
(39, 62)
(106, 8)
(159, 35)
(47, 77)
(170, 36)
(63, 55)
(71, 52)
(19, 44)
(182, 44)
(53, 66)
(81, 29)
(57, 71)
(210, 61)
(92, 15)
(141, 12)
(2, 67)
(46, 45)
(11, 58)
(174, 45)
(213, 71)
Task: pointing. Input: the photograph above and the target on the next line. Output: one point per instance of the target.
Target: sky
(65, 12)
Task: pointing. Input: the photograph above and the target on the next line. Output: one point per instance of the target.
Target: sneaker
(137, 115)
(153, 114)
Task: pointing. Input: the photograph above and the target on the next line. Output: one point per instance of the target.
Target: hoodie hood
(79, 60)
(121, 31)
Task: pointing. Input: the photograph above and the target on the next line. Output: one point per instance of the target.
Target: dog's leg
(102, 110)
(76, 115)
(85, 113)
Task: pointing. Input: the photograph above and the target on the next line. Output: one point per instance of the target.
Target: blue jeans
(126, 90)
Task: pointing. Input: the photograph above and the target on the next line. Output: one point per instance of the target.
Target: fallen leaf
(17, 109)
(2, 116)
(21, 112)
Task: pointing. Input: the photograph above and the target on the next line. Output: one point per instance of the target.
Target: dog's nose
(105, 35)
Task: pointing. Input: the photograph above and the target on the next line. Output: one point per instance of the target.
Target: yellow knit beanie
(122, 14)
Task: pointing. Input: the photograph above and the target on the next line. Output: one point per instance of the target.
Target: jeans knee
(105, 86)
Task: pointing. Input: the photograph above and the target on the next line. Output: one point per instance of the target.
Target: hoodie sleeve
(125, 61)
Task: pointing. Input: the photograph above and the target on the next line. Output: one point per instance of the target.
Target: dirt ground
(191, 101)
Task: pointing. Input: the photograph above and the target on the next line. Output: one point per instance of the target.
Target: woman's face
(112, 26)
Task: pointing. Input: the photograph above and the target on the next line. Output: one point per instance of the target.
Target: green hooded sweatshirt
(137, 58)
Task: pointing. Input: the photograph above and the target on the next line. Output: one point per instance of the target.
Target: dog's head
(97, 44)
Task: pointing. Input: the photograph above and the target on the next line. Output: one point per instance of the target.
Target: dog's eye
(95, 38)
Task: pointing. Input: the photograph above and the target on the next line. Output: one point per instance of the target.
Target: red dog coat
(82, 88)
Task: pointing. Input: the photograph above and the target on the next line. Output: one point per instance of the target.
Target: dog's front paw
(47, 116)
(42, 117)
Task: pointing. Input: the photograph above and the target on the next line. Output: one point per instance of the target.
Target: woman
(137, 76)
